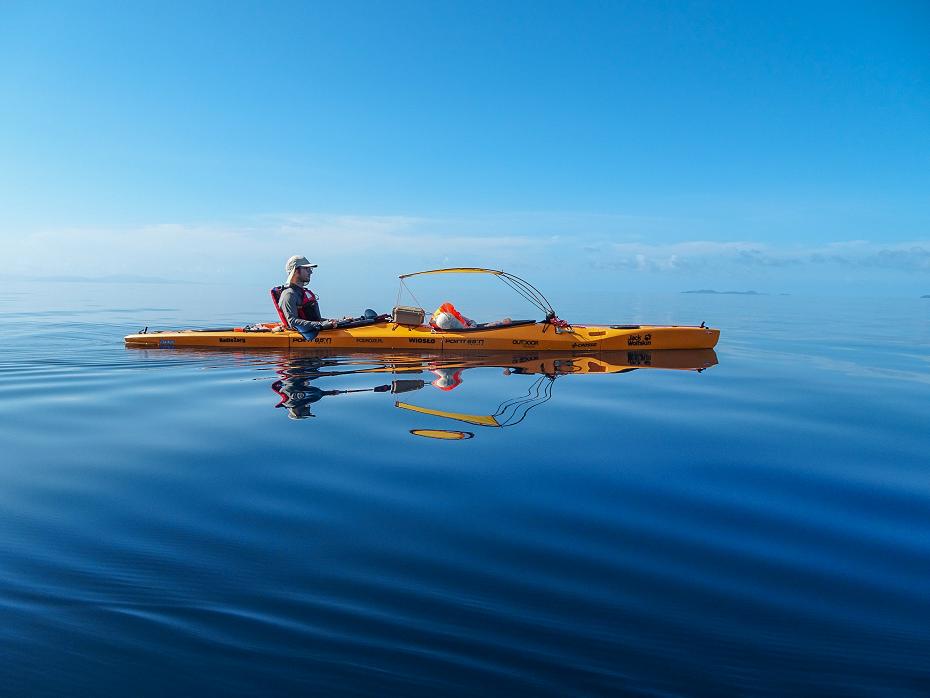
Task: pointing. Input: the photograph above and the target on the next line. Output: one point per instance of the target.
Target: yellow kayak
(517, 336)
(399, 332)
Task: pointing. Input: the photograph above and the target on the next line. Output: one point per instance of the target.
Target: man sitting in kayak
(299, 306)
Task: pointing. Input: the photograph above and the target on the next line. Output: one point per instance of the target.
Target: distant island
(927, 296)
(728, 293)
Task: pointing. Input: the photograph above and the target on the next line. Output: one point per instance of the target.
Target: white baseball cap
(293, 263)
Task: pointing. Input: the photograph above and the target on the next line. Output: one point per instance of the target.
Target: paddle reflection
(399, 374)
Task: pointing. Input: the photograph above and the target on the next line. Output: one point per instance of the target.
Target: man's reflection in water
(297, 392)
(297, 396)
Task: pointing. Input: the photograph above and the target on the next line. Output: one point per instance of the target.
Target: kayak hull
(538, 336)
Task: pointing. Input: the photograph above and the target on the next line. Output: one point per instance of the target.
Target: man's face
(303, 273)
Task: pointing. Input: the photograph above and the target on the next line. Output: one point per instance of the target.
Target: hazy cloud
(255, 248)
(706, 255)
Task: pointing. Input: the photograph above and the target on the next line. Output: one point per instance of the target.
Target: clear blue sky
(681, 142)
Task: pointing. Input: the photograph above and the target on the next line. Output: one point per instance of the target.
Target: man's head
(298, 270)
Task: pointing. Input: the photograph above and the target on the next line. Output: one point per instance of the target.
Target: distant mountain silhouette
(927, 296)
(728, 293)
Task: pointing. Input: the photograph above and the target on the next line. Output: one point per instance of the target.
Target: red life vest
(307, 309)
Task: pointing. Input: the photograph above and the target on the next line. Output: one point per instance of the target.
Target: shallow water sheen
(183, 522)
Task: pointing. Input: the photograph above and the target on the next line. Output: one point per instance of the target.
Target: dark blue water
(236, 523)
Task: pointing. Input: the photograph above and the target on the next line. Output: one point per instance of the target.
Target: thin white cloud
(697, 255)
(255, 249)
(192, 252)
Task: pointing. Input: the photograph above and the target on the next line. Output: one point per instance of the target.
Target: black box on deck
(408, 315)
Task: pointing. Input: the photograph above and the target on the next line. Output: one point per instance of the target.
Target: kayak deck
(538, 336)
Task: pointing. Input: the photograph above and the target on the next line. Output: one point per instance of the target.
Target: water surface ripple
(259, 523)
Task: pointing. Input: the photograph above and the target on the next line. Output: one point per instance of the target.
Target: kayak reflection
(446, 373)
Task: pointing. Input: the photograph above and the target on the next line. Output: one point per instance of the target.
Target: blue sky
(667, 145)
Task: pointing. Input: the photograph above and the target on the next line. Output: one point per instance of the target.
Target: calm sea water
(257, 523)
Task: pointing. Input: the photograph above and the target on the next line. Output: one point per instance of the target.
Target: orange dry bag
(447, 317)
